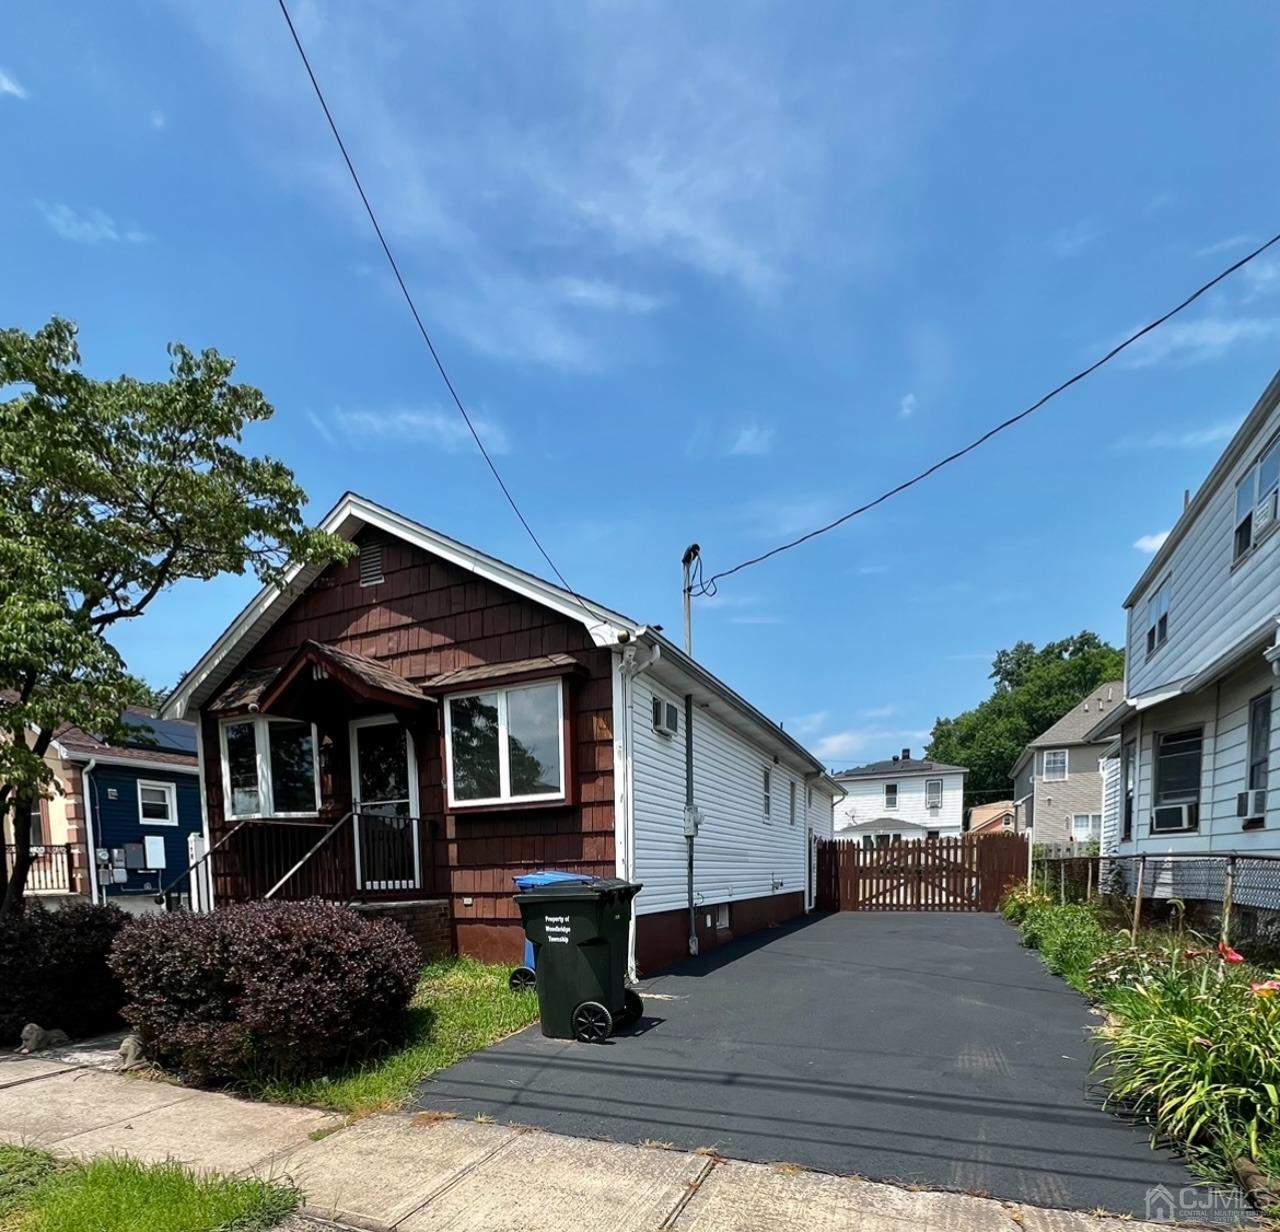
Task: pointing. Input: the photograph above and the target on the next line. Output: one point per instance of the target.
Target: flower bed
(1193, 1036)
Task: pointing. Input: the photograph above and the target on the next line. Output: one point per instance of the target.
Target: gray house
(1057, 783)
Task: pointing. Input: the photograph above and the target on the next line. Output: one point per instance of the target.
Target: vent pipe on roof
(906, 754)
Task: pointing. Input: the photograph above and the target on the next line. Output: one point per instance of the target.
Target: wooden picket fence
(938, 874)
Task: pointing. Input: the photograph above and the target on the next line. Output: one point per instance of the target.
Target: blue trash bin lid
(529, 881)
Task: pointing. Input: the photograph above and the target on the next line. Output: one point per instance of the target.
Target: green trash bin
(579, 935)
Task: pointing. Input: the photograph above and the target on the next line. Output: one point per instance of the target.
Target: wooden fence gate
(937, 874)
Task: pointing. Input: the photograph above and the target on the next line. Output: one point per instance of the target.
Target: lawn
(460, 1006)
(41, 1194)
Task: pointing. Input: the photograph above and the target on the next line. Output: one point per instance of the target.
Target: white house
(1195, 742)
(900, 799)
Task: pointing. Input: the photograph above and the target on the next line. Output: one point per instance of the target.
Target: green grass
(123, 1195)
(460, 1006)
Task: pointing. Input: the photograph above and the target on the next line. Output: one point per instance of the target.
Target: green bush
(1069, 939)
(1020, 898)
(54, 972)
(263, 991)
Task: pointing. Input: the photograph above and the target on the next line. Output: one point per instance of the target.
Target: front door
(384, 789)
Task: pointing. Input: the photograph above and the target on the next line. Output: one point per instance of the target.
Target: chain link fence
(1231, 896)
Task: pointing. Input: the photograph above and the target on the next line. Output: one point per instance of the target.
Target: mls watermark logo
(1194, 1204)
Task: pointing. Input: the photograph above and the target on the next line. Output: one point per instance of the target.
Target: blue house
(139, 811)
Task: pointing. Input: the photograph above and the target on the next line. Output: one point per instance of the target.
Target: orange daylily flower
(1228, 954)
(1266, 988)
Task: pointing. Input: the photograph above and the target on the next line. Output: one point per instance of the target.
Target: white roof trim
(106, 759)
(347, 518)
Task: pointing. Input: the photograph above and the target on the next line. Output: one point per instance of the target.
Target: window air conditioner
(666, 717)
(1173, 817)
(1251, 803)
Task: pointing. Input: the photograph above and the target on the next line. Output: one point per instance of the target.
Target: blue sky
(709, 273)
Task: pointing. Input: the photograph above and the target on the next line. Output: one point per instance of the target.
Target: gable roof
(1078, 723)
(605, 627)
(881, 823)
(899, 767)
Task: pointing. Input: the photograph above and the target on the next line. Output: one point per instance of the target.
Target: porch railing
(360, 856)
(51, 864)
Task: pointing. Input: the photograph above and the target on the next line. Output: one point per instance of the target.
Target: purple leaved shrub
(263, 991)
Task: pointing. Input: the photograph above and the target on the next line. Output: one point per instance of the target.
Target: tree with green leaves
(111, 492)
(1032, 690)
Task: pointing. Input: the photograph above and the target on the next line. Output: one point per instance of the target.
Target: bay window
(269, 767)
(506, 746)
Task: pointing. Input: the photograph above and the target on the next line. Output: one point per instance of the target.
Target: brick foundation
(663, 937)
(428, 922)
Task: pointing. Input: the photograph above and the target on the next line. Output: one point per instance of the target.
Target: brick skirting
(428, 922)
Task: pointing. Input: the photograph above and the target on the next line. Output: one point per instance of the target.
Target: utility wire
(709, 586)
(417, 316)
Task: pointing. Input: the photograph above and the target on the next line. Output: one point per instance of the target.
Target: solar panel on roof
(168, 735)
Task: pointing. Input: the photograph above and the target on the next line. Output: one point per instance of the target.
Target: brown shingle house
(411, 730)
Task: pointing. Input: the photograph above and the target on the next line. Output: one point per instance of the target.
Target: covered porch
(325, 764)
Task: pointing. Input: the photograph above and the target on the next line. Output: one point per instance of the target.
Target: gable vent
(370, 562)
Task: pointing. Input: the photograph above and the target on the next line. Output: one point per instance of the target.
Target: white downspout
(91, 850)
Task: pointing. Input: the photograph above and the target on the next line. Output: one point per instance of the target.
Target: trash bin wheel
(523, 979)
(592, 1023)
(632, 1008)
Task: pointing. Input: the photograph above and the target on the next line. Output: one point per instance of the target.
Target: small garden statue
(37, 1039)
(131, 1053)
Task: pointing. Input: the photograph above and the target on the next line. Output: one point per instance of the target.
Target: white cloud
(907, 407)
(1263, 277)
(878, 712)
(91, 227)
(857, 741)
(1190, 438)
(752, 440)
(158, 119)
(1151, 543)
(604, 296)
(1192, 342)
(10, 86)
(318, 423)
(807, 724)
(1070, 241)
(436, 427)
(755, 618)
(1232, 241)
(872, 570)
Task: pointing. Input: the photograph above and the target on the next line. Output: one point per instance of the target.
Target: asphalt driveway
(922, 1048)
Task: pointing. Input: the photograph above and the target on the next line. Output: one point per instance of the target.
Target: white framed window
(1259, 742)
(157, 803)
(1086, 826)
(891, 795)
(1178, 763)
(1055, 765)
(1158, 617)
(766, 786)
(269, 767)
(1256, 501)
(933, 793)
(506, 746)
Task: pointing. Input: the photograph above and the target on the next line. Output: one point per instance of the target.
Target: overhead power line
(417, 316)
(708, 587)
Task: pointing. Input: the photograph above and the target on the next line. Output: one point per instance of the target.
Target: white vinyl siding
(865, 802)
(1112, 803)
(1214, 603)
(738, 854)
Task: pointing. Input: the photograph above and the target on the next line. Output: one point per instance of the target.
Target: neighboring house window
(791, 803)
(808, 797)
(506, 745)
(1128, 768)
(1158, 618)
(933, 833)
(882, 840)
(1055, 765)
(39, 835)
(891, 795)
(1086, 826)
(1259, 741)
(1256, 501)
(933, 793)
(1177, 780)
(269, 767)
(157, 804)
(766, 787)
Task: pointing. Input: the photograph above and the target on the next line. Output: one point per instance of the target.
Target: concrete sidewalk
(414, 1173)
